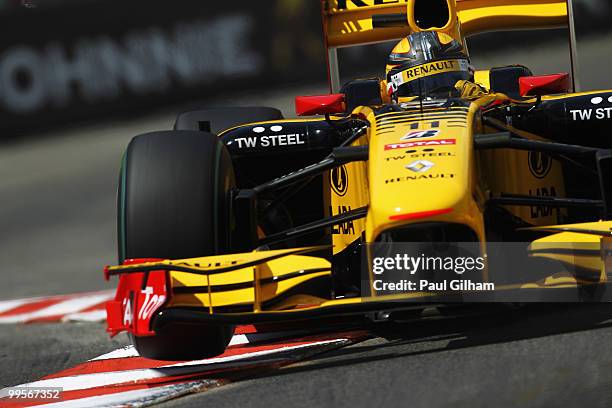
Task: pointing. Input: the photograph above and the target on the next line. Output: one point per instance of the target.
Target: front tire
(174, 202)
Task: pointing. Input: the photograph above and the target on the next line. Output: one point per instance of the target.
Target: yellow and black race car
(239, 215)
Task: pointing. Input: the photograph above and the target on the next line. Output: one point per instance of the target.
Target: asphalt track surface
(57, 217)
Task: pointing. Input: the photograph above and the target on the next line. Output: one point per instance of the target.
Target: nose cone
(420, 168)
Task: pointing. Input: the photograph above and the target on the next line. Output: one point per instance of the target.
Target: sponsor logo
(428, 69)
(420, 177)
(419, 155)
(420, 166)
(421, 134)
(338, 179)
(345, 227)
(151, 303)
(539, 164)
(538, 212)
(127, 311)
(205, 265)
(421, 143)
(142, 62)
(292, 139)
(598, 113)
(352, 4)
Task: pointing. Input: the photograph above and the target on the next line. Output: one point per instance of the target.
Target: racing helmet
(427, 63)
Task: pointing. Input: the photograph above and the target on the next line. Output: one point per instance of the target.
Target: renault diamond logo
(420, 166)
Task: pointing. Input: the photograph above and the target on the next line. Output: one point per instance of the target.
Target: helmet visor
(436, 84)
(429, 78)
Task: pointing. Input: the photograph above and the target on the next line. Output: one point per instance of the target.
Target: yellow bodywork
(459, 182)
(408, 179)
(273, 279)
(266, 275)
(247, 279)
(582, 245)
(349, 22)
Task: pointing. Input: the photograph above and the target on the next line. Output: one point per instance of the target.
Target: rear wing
(348, 23)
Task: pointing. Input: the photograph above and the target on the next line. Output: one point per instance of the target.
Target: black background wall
(84, 59)
(62, 61)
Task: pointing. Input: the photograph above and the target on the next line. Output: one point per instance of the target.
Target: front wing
(266, 286)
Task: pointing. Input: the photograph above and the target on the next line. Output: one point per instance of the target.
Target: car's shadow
(527, 322)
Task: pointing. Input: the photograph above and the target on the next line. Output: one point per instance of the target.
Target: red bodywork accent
(422, 214)
(419, 143)
(544, 84)
(319, 104)
(136, 301)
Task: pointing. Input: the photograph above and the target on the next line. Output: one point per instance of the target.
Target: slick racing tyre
(216, 120)
(173, 203)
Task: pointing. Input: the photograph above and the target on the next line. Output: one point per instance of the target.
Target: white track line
(135, 398)
(68, 306)
(123, 352)
(7, 305)
(240, 339)
(130, 351)
(93, 316)
(85, 381)
(237, 340)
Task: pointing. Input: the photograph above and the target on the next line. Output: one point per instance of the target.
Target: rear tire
(173, 203)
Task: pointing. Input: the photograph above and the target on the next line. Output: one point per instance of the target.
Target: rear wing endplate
(348, 23)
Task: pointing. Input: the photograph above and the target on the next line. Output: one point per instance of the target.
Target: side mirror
(319, 104)
(544, 84)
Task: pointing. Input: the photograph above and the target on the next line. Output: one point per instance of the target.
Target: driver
(427, 64)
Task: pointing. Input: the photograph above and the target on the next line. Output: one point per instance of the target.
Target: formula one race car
(241, 216)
